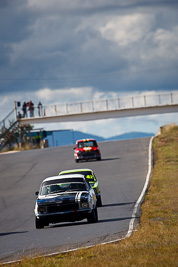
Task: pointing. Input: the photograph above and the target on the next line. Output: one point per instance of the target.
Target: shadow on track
(68, 224)
(114, 220)
(86, 223)
(117, 204)
(93, 160)
(13, 233)
(99, 221)
(107, 159)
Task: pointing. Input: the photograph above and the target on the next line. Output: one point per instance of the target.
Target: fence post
(144, 100)
(106, 104)
(171, 98)
(133, 102)
(66, 108)
(118, 103)
(92, 104)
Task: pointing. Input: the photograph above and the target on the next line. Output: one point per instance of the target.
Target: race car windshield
(87, 144)
(63, 187)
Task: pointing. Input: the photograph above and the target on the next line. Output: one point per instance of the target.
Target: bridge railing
(126, 102)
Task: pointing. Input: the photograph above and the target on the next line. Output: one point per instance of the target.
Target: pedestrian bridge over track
(105, 109)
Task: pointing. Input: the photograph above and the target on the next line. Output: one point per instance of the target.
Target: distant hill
(131, 135)
(68, 137)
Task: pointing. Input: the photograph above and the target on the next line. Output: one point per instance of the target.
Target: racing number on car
(87, 148)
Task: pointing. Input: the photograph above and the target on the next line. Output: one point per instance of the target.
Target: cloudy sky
(75, 50)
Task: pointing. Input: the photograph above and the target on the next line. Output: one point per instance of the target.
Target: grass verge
(155, 243)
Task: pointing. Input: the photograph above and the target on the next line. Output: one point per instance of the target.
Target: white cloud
(64, 95)
(125, 30)
(167, 43)
(57, 45)
(140, 41)
(57, 96)
(4, 101)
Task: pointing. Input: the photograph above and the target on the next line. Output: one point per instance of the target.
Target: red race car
(86, 149)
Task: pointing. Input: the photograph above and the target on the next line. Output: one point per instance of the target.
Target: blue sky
(71, 50)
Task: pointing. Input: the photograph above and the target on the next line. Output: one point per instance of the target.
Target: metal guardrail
(108, 104)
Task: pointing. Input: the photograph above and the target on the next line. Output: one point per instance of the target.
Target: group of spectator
(30, 107)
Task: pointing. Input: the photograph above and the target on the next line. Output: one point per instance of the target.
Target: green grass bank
(156, 241)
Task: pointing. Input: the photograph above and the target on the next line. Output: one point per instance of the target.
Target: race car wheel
(99, 202)
(93, 216)
(39, 224)
(77, 160)
(99, 158)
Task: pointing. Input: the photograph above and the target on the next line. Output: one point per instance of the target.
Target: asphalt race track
(121, 174)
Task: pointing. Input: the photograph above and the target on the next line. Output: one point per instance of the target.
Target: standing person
(31, 108)
(24, 109)
(39, 109)
(19, 116)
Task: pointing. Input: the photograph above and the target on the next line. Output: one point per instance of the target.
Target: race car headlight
(41, 209)
(84, 205)
(92, 184)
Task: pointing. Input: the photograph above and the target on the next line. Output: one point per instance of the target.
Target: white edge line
(131, 224)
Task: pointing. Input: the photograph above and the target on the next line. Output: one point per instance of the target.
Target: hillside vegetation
(155, 243)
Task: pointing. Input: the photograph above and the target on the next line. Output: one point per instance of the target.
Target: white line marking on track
(131, 225)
